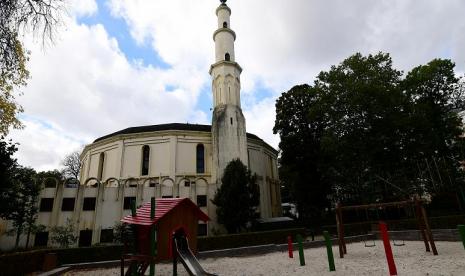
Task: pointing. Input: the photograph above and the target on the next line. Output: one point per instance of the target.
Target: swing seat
(396, 243)
(369, 242)
(373, 244)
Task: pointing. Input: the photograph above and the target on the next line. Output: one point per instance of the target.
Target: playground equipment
(329, 251)
(387, 248)
(181, 249)
(420, 214)
(153, 227)
(461, 228)
(290, 248)
(301, 250)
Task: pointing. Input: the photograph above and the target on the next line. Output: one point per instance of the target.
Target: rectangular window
(187, 183)
(46, 205)
(89, 204)
(106, 235)
(202, 200)
(67, 204)
(202, 229)
(85, 238)
(41, 239)
(153, 184)
(127, 202)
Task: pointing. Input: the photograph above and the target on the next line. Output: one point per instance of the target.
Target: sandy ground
(410, 259)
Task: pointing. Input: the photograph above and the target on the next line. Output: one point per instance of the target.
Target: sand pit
(410, 259)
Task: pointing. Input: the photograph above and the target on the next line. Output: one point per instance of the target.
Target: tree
(64, 235)
(72, 163)
(50, 179)
(237, 198)
(40, 16)
(300, 132)
(23, 197)
(363, 133)
(7, 166)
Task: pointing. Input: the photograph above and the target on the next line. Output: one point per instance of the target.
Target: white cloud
(86, 87)
(82, 7)
(260, 119)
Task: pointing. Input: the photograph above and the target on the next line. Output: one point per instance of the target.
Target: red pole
(289, 247)
(387, 248)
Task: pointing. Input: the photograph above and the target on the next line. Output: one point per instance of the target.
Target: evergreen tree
(237, 198)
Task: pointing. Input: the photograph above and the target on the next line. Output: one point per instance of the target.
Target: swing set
(419, 211)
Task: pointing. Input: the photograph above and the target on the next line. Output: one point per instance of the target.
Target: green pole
(152, 237)
(462, 233)
(329, 250)
(301, 250)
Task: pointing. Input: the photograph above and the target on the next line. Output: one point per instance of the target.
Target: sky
(121, 63)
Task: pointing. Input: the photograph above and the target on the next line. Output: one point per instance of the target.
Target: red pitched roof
(162, 207)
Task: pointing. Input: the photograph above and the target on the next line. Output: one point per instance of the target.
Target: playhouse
(171, 215)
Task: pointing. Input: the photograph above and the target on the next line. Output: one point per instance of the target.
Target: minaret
(228, 123)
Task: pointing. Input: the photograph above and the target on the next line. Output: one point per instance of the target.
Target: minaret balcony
(225, 62)
(224, 30)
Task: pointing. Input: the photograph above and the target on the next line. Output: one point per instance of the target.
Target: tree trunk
(28, 236)
(18, 234)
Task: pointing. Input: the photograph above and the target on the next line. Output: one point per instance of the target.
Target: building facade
(163, 161)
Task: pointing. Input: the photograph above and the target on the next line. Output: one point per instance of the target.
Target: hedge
(247, 239)
(21, 263)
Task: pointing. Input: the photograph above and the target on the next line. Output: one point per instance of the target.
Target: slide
(188, 259)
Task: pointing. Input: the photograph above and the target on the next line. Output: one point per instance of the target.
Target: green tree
(23, 197)
(437, 146)
(364, 133)
(7, 166)
(300, 131)
(40, 16)
(64, 235)
(237, 198)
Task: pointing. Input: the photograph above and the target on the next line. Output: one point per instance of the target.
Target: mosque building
(164, 161)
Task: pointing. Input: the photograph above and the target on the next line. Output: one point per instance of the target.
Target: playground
(410, 259)
(367, 256)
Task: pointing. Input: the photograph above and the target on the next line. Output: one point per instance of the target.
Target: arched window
(145, 160)
(200, 158)
(225, 24)
(227, 57)
(101, 162)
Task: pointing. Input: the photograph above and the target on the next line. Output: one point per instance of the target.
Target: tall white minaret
(228, 123)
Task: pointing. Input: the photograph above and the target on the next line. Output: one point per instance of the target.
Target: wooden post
(341, 228)
(387, 248)
(301, 250)
(122, 265)
(329, 251)
(419, 216)
(461, 228)
(428, 230)
(339, 233)
(153, 242)
(290, 249)
(343, 233)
